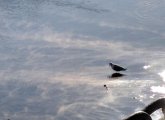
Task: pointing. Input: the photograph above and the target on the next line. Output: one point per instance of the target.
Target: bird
(145, 113)
(117, 67)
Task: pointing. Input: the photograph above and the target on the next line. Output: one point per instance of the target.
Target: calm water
(54, 57)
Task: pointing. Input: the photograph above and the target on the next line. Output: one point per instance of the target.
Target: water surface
(54, 57)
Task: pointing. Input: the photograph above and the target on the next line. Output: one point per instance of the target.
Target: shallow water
(54, 57)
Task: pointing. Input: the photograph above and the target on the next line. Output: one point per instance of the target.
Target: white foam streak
(67, 40)
(158, 89)
(162, 74)
(146, 67)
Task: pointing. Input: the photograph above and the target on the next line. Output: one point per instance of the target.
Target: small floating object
(117, 67)
(116, 75)
(106, 87)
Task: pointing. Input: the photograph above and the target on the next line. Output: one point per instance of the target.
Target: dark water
(54, 57)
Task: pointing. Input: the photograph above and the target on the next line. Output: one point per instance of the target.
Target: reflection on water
(146, 66)
(116, 75)
(54, 57)
(159, 89)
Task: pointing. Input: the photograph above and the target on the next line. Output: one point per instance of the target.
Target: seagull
(117, 67)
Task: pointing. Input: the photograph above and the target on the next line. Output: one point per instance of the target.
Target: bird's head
(110, 64)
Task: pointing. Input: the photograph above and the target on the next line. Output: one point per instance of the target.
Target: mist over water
(55, 54)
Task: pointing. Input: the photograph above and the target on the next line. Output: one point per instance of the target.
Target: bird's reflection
(116, 75)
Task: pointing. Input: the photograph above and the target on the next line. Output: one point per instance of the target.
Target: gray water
(54, 57)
